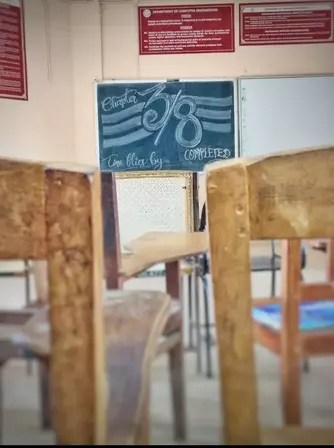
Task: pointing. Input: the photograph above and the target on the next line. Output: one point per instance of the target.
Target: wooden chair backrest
(283, 196)
(112, 248)
(53, 213)
(111, 242)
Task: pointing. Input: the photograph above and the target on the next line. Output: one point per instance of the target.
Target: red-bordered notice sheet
(13, 68)
(186, 29)
(286, 23)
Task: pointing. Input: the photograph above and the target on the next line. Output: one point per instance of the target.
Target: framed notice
(13, 67)
(286, 23)
(186, 29)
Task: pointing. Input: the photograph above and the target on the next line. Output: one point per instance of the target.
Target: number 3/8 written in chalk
(164, 126)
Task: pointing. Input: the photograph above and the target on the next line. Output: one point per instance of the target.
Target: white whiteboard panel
(278, 114)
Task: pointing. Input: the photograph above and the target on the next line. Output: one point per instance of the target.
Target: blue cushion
(312, 315)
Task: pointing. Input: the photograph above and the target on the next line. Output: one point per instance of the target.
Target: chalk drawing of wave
(125, 127)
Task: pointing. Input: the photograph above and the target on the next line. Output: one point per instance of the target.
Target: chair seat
(34, 337)
(297, 435)
(313, 316)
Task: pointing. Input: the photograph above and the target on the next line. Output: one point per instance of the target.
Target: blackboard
(171, 125)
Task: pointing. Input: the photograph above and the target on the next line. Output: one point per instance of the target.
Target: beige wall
(42, 128)
(86, 63)
(115, 56)
(70, 45)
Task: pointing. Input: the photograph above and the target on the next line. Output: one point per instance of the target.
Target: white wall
(42, 127)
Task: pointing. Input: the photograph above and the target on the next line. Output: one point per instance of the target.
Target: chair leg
(45, 394)
(198, 322)
(190, 311)
(290, 341)
(273, 283)
(207, 328)
(28, 301)
(176, 369)
(1, 404)
(306, 366)
(27, 283)
(176, 359)
(306, 362)
(291, 388)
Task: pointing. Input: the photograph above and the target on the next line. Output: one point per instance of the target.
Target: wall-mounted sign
(186, 29)
(286, 23)
(13, 70)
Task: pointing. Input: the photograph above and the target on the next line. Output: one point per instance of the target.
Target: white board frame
(243, 78)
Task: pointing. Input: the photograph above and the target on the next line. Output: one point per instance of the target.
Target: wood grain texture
(75, 300)
(296, 435)
(316, 291)
(111, 241)
(22, 210)
(100, 403)
(291, 194)
(229, 231)
(161, 247)
(268, 338)
(176, 354)
(290, 339)
(320, 343)
(133, 323)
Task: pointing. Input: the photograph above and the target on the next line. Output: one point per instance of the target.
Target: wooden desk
(169, 248)
(161, 247)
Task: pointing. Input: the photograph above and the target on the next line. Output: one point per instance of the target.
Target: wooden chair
(138, 318)
(309, 337)
(99, 364)
(172, 336)
(170, 342)
(264, 263)
(283, 196)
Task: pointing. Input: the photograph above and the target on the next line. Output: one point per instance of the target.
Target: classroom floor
(21, 418)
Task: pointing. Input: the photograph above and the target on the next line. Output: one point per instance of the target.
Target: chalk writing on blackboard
(164, 126)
